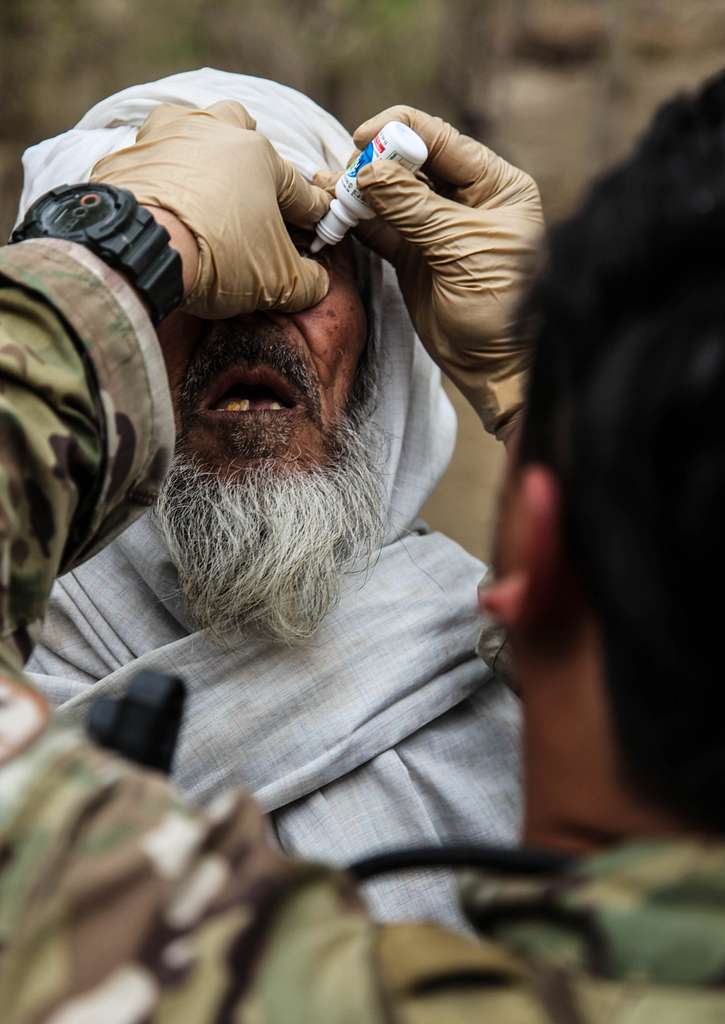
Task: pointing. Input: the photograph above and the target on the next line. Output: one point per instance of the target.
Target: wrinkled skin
(310, 363)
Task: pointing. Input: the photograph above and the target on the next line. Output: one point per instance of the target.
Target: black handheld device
(143, 725)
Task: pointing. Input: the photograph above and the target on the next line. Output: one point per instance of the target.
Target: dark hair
(627, 406)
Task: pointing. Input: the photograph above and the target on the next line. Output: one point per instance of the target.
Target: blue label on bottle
(366, 157)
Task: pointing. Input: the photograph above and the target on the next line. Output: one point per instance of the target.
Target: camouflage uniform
(120, 904)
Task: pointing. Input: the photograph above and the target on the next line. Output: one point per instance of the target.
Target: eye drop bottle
(396, 141)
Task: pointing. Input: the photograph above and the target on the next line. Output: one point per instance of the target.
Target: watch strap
(128, 239)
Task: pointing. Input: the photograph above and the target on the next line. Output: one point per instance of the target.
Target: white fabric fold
(385, 728)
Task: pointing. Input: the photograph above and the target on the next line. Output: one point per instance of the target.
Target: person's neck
(574, 796)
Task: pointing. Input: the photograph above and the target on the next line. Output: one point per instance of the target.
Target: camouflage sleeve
(86, 425)
(119, 904)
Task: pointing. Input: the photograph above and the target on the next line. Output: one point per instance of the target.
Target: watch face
(77, 211)
(109, 222)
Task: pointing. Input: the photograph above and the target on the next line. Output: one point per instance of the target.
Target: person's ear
(529, 571)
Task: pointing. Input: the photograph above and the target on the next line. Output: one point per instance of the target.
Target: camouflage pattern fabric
(86, 421)
(119, 904)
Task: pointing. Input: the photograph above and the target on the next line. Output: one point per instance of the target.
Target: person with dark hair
(119, 903)
(620, 482)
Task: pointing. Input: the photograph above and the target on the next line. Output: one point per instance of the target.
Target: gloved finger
(326, 180)
(370, 128)
(452, 157)
(161, 116)
(234, 113)
(290, 283)
(353, 157)
(300, 202)
(306, 282)
(502, 185)
(226, 111)
(375, 234)
(410, 206)
(379, 236)
(456, 159)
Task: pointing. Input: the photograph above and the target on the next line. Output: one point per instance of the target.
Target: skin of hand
(183, 241)
(463, 243)
(228, 186)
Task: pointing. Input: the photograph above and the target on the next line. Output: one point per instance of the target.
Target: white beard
(264, 552)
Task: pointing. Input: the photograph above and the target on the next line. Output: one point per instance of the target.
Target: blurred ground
(560, 87)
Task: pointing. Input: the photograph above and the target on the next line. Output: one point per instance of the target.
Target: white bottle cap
(316, 244)
(333, 227)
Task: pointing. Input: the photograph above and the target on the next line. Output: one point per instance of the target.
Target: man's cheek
(178, 335)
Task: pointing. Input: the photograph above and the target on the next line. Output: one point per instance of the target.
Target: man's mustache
(231, 343)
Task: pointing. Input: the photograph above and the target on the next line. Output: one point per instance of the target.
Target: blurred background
(559, 87)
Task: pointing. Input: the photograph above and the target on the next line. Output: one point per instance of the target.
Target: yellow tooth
(237, 405)
(275, 405)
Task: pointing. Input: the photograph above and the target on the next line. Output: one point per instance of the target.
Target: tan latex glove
(228, 185)
(461, 261)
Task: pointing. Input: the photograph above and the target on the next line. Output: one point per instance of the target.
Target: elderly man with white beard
(276, 490)
(325, 633)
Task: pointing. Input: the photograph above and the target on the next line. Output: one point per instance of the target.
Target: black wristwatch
(109, 222)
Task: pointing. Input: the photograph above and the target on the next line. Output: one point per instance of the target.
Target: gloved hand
(228, 185)
(462, 257)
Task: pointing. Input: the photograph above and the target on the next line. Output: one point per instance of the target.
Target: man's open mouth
(260, 389)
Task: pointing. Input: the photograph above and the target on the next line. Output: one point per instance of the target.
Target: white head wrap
(330, 736)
